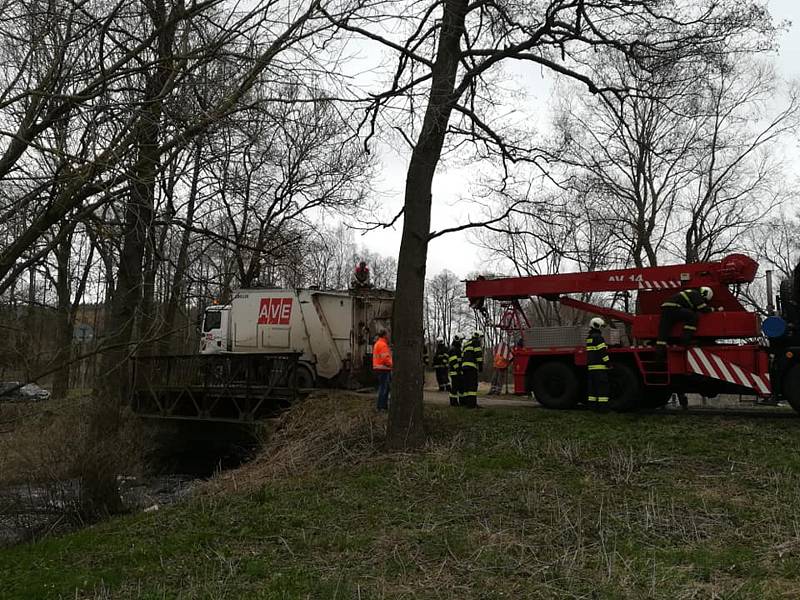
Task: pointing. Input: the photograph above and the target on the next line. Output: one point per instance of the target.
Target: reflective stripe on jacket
(597, 358)
(440, 358)
(453, 360)
(691, 299)
(381, 356)
(472, 356)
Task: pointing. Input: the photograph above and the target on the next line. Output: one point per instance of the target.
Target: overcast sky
(454, 251)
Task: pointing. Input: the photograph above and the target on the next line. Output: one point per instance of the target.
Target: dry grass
(500, 504)
(327, 429)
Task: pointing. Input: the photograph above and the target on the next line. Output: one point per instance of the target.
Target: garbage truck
(332, 331)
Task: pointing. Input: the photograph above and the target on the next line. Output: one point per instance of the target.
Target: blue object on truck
(773, 327)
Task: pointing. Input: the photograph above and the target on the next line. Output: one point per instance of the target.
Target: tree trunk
(99, 485)
(405, 412)
(64, 319)
(169, 326)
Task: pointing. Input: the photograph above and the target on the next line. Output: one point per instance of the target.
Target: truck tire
(626, 387)
(304, 377)
(655, 397)
(555, 385)
(791, 387)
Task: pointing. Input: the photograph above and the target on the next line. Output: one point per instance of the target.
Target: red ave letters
(275, 311)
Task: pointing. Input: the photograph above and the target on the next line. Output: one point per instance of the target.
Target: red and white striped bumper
(707, 364)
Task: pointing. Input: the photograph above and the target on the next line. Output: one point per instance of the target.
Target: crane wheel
(555, 385)
(791, 387)
(626, 387)
(655, 397)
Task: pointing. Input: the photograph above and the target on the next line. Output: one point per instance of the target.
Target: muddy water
(178, 462)
(28, 512)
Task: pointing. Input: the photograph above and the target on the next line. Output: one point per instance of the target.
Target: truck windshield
(213, 320)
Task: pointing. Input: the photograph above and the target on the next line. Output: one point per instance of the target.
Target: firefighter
(471, 365)
(682, 307)
(597, 364)
(454, 370)
(440, 365)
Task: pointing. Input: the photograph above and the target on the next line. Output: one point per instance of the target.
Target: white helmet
(706, 292)
(596, 323)
(477, 334)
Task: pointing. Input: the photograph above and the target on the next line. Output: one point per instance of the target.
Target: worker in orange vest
(501, 363)
(382, 365)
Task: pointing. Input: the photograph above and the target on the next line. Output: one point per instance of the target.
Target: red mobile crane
(729, 354)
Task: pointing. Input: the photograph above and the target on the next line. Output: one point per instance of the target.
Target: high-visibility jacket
(381, 355)
(501, 362)
(596, 351)
(472, 355)
(502, 356)
(454, 359)
(440, 358)
(691, 299)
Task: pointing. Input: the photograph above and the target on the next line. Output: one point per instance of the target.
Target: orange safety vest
(501, 362)
(502, 356)
(381, 356)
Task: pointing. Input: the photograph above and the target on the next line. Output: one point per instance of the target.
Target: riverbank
(507, 502)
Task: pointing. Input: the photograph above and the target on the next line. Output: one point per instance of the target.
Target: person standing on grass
(454, 371)
(501, 364)
(440, 362)
(597, 365)
(471, 366)
(382, 365)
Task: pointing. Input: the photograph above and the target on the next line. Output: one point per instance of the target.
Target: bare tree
(446, 308)
(446, 62)
(737, 177)
(683, 165)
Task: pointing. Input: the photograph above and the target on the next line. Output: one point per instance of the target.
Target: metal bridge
(230, 388)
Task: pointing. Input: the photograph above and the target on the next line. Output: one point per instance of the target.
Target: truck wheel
(791, 387)
(654, 397)
(626, 387)
(555, 385)
(304, 377)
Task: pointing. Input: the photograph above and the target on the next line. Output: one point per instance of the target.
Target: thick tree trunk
(405, 413)
(99, 485)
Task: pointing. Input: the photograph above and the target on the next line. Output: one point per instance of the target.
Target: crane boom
(736, 268)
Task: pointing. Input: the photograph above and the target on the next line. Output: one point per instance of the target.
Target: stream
(184, 458)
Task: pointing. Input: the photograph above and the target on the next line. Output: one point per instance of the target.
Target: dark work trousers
(469, 395)
(441, 379)
(673, 314)
(669, 316)
(597, 387)
(384, 383)
(455, 389)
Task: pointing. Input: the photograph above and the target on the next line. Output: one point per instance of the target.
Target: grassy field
(503, 503)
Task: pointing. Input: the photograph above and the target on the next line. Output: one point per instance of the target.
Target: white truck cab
(216, 325)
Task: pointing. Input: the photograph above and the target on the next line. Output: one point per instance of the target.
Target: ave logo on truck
(275, 311)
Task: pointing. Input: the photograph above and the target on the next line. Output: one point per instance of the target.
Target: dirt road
(433, 396)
